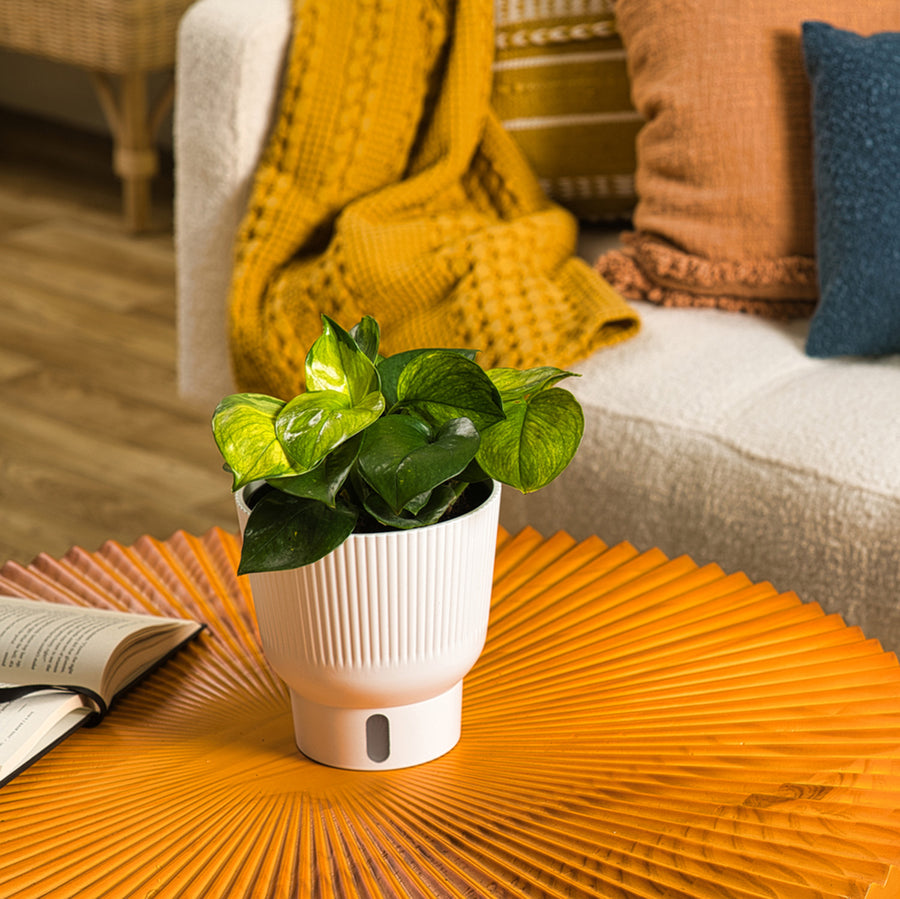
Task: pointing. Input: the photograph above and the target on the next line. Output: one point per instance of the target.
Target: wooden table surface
(637, 726)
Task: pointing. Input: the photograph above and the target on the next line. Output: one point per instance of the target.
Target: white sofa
(710, 434)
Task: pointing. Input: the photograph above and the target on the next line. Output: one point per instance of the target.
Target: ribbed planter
(373, 641)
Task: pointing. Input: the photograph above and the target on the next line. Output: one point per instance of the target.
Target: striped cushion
(561, 89)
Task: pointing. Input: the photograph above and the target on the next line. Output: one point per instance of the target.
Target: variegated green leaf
(389, 368)
(335, 363)
(442, 386)
(515, 386)
(313, 424)
(244, 430)
(536, 441)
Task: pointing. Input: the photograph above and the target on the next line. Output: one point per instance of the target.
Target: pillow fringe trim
(648, 268)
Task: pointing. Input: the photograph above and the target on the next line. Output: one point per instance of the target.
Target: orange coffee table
(637, 726)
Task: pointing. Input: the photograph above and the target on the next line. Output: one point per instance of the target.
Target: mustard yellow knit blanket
(389, 188)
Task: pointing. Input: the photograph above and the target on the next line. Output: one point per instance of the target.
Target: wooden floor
(94, 443)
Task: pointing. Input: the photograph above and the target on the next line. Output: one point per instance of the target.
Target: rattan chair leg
(133, 124)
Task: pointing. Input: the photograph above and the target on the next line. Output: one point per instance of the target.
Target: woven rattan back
(113, 36)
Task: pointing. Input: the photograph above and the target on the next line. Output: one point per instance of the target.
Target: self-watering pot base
(378, 739)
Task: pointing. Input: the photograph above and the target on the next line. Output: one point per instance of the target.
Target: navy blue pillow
(856, 143)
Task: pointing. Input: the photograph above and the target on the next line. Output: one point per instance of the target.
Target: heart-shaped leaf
(389, 369)
(323, 483)
(536, 441)
(402, 458)
(515, 385)
(244, 430)
(288, 532)
(313, 424)
(367, 335)
(335, 363)
(439, 502)
(444, 386)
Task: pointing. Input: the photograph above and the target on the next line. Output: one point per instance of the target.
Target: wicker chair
(119, 42)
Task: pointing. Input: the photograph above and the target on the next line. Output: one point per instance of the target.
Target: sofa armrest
(229, 64)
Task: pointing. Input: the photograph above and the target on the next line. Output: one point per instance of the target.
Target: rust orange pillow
(725, 215)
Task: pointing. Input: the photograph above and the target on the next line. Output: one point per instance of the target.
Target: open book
(63, 666)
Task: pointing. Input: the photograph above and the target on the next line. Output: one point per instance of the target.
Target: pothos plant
(394, 442)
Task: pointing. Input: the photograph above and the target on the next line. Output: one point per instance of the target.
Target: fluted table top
(637, 726)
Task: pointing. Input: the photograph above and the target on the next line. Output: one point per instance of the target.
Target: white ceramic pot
(373, 641)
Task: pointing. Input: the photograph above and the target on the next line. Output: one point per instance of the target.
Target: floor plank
(96, 444)
(105, 270)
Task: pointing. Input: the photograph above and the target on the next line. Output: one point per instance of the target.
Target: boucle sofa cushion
(725, 212)
(561, 89)
(714, 435)
(856, 137)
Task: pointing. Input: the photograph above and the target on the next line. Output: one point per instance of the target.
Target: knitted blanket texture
(389, 188)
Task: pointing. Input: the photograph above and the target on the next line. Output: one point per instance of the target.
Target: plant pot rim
(493, 496)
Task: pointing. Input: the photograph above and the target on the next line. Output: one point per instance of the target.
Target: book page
(32, 724)
(60, 645)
